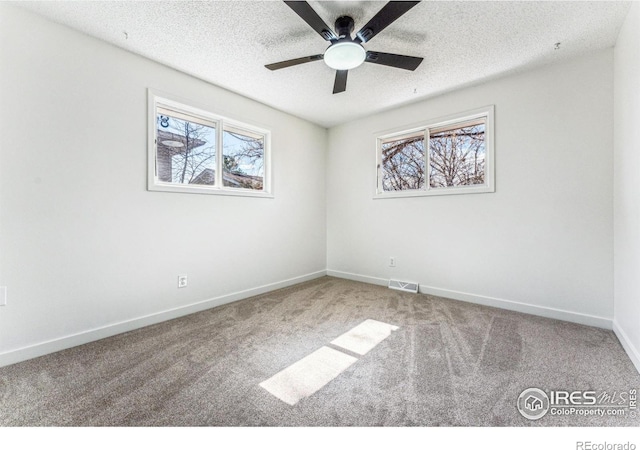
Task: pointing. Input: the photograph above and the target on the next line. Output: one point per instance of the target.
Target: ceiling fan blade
(307, 13)
(293, 62)
(340, 85)
(385, 17)
(393, 60)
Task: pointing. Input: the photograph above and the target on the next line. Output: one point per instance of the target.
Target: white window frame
(486, 113)
(156, 99)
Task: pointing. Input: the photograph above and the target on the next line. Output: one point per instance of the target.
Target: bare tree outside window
(403, 163)
(243, 159)
(191, 149)
(186, 154)
(185, 151)
(451, 155)
(457, 156)
(457, 153)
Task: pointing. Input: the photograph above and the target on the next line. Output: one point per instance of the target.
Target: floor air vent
(403, 286)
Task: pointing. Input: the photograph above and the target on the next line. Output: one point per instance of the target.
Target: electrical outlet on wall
(182, 281)
(392, 261)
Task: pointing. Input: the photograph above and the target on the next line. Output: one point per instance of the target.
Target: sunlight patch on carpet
(313, 372)
(307, 376)
(362, 338)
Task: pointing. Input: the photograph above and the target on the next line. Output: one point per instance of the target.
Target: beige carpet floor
(449, 363)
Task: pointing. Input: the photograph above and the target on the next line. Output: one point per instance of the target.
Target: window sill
(435, 192)
(208, 191)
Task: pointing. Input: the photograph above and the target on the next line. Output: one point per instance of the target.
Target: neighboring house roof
(207, 177)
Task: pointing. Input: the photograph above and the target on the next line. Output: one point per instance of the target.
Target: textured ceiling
(228, 44)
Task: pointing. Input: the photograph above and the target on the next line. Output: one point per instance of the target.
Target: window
(450, 156)
(193, 150)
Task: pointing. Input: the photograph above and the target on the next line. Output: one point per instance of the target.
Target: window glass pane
(403, 163)
(457, 155)
(185, 148)
(243, 159)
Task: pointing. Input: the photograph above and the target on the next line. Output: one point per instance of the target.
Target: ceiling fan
(346, 53)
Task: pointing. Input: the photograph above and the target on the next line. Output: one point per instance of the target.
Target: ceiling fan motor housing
(344, 26)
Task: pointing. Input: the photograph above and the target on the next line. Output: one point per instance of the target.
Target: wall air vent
(406, 286)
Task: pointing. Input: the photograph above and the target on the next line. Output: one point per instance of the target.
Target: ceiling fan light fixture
(344, 55)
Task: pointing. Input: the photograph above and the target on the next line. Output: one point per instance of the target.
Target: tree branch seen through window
(456, 157)
(194, 150)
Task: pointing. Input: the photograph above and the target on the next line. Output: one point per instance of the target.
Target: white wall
(83, 244)
(542, 243)
(627, 185)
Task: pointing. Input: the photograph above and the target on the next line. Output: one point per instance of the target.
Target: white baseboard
(84, 337)
(543, 311)
(632, 351)
(357, 277)
(54, 345)
(527, 308)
